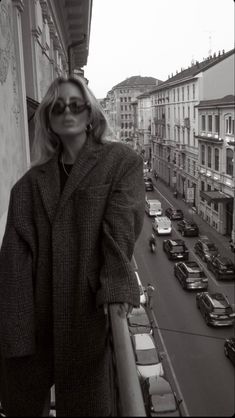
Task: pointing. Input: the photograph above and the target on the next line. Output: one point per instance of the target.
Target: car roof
(218, 300)
(143, 341)
(158, 385)
(192, 266)
(188, 221)
(176, 241)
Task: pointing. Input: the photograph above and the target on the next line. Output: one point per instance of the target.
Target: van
(153, 207)
(162, 225)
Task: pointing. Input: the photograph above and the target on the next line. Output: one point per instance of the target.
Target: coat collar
(49, 178)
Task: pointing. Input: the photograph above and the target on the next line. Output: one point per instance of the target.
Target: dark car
(222, 267)
(229, 349)
(148, 184)
(174, 214)
(190, 275)
(215, 308)
(159, 397)
(175, 249)
(188, 228)
(205, 248)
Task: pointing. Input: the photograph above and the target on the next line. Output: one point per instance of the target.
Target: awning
(215, 196)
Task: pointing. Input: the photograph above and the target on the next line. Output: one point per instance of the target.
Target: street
(204, 376)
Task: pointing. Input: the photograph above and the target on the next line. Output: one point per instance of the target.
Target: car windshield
(210, 246)
(178, 249)
(147, 357)
(196, 274)
(163, 403)
(222, 311)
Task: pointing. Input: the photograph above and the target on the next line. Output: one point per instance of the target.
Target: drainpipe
(73, 45)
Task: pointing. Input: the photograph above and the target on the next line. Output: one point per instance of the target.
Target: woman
(73, 220)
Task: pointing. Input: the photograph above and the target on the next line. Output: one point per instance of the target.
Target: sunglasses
(74, 107)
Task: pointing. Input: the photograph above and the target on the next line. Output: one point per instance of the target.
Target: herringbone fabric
(62, 258)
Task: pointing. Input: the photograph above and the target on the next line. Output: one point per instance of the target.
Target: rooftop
(137, 80)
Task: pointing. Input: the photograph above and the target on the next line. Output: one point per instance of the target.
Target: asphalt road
(192, 351)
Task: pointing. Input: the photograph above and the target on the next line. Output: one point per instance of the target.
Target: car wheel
(225, 351)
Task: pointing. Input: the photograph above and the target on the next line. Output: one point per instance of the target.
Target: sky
(153, 38)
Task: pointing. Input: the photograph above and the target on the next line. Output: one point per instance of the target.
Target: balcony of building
(211, 137)
(187, 123)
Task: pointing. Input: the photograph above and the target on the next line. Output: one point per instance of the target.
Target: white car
(146, 356)
(143, 298)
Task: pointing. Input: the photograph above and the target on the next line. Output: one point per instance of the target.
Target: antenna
(209, 41)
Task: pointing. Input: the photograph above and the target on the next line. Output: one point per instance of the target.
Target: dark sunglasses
(74, 107)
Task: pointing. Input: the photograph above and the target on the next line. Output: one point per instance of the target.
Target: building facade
(122, 97)
(39, 40)
(175, 123)
(216, 162)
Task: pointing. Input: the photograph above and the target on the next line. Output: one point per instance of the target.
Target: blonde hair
(46, 142)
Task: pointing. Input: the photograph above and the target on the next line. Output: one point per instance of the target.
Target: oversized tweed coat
(62, 258)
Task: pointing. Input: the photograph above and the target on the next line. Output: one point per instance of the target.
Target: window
(188, 111)
(209, 123)
(193, 91)
(178, 94)
(183, 112)
(182, 93)
(121, 107)
(194, 112)
(203, 154)
(194, 168)
(121, 99)
(188, 92)
(203, 120)
(216, 206)
(202, 185)
(188, 167)
(174, 95)
(216, 159)
(209, 157)
(208, 189)
(229, 161)
(217, 123)
(229, 125)
(169, 112)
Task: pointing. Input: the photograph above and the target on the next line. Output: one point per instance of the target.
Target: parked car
(222, 267)
(159, 398)
(146, 356)
(205, 248)
(190, 275)
(143, 299)
(188, 228)
(175, 249)
(174, 214)
(215, 308)
(148, 184)
(138, 321)
(229, 349)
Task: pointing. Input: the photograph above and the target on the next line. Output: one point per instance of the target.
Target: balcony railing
(129, 395)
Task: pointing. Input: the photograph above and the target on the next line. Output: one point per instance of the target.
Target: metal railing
(129, 395)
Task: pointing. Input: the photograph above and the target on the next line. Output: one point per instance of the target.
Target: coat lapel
(84, 163)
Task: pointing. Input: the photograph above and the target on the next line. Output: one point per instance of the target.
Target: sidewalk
(221, 241)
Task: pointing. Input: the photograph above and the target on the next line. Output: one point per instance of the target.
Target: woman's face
(69, 121)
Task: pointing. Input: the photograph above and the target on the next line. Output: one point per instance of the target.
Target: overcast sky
(153, 38)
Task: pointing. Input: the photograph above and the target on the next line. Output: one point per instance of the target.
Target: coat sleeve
(16, 293)
(121, 227)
